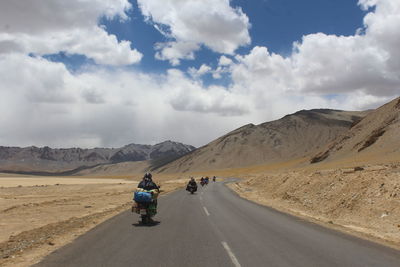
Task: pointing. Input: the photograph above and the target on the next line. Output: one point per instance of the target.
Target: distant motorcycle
(191, 189)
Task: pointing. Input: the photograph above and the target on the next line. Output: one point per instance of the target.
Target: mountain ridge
(46, 159)
(295, 135)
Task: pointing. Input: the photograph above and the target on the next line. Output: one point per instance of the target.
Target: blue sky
(101, 73)
(278, 23)
(275, 24)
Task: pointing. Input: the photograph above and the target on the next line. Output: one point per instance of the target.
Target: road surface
(215, 227)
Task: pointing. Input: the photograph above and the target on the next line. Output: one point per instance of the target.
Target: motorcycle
(191, 189)
(145, 210)
(144, 205)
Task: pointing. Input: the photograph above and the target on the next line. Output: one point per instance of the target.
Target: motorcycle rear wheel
(145, 219)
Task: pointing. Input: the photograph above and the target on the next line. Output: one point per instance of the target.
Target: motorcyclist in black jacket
(147, 183)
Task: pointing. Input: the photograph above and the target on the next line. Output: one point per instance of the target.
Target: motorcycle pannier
(143, 197)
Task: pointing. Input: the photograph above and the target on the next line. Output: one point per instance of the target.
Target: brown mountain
(293, 136)
(375, 137)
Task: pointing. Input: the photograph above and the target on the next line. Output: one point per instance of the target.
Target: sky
(106, 73)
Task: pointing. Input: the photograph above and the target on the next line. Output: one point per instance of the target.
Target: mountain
(293, 136)
(46, 159)
(376, 136)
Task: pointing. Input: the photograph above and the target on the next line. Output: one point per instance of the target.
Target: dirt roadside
(36, 220)
(363, 201)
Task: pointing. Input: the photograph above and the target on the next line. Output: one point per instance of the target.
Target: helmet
(147, 175)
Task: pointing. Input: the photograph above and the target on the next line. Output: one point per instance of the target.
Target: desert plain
(41, 214)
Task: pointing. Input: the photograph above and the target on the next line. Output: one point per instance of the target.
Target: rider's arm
(141, 185)
(154, 186)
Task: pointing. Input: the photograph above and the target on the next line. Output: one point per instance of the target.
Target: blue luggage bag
(142, 197)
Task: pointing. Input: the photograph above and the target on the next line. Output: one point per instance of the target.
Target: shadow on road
(139, 224)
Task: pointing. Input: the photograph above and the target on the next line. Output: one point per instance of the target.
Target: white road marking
(205, 209)
(231, 255)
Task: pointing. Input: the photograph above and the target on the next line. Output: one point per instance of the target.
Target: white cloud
(42, 103)
(197, 73)
(366, 4)
(224, 61)
(174, 51)
(363, 66)
(51, 26)
(382, 30)
(192, 23)
(188, 95)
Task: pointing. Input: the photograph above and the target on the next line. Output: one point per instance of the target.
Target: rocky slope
(44, 159)
(293, 136)
(375, 137)
(364, 201)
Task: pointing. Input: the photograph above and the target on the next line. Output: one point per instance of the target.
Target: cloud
(175, 51)
(51, 26)
(42, 103)
(365, 65)
(191, 24)
(224, 61)
(197, 73)
(188, 95)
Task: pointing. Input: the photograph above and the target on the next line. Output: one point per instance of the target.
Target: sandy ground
(39, 215)
(42, 181)
(362, 200)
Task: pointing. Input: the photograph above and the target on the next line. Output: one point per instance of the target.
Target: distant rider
(192, 183)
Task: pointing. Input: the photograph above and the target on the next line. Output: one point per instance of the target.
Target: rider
(147, 184)
(191, 183)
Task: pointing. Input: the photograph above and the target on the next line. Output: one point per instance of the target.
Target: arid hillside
(374, 138)
(362, 201)
(293, 136)
(122, 169)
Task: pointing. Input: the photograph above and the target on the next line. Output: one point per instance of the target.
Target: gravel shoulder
(363, 201)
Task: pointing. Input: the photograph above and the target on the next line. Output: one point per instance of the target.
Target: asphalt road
(215, 227)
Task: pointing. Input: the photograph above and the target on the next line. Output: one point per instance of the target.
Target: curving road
(217, 228)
